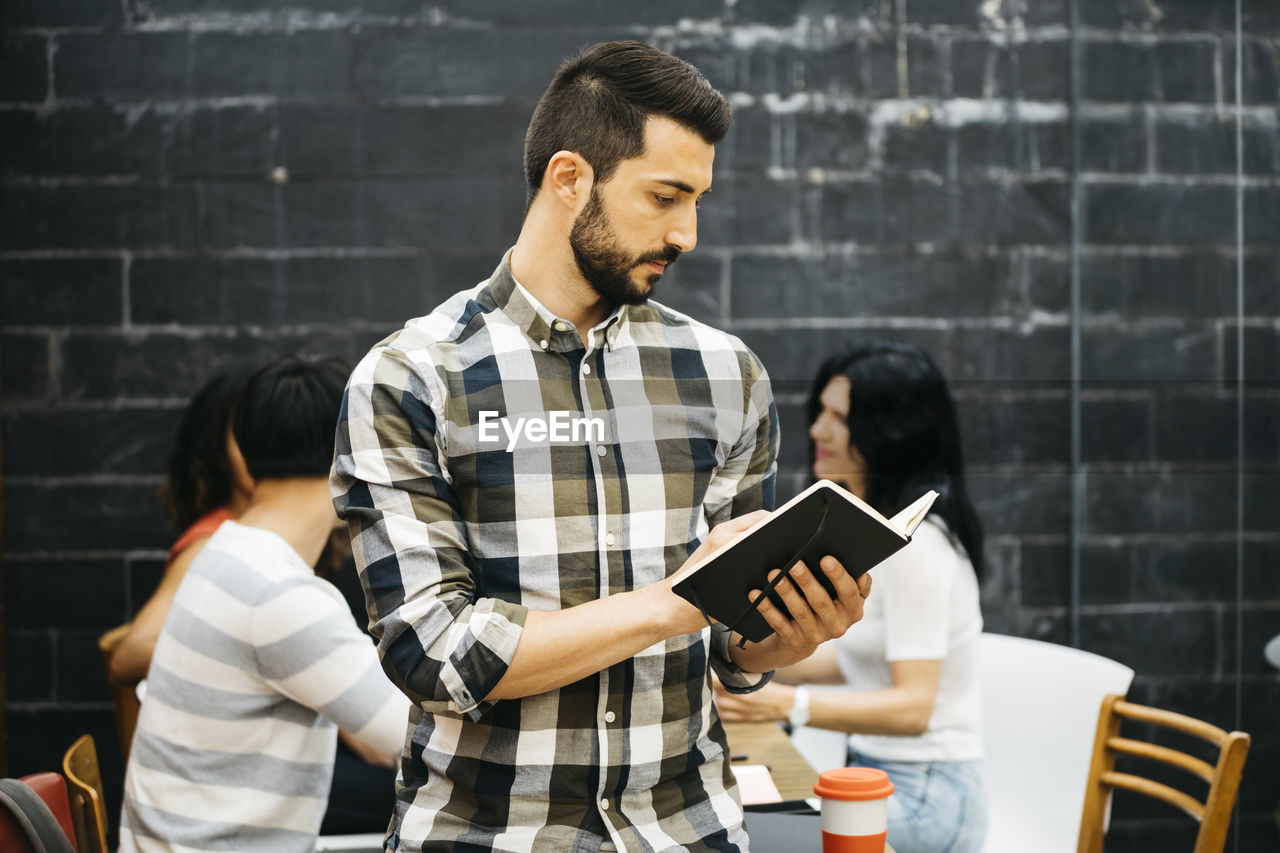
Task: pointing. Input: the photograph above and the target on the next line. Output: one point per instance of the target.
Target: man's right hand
(718, 537)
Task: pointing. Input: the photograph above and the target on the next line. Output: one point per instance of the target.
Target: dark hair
(199, 474)
(903, 421)
(599, 100)
(286, 417)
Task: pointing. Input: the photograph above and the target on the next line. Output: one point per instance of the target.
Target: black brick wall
(189, 184)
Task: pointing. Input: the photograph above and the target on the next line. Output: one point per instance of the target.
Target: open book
(823, 519)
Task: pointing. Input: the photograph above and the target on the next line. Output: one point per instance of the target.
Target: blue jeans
(936, 807)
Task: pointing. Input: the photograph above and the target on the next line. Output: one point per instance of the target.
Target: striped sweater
(257, 662)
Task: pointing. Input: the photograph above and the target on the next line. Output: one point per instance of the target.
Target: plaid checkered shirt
(632, 446)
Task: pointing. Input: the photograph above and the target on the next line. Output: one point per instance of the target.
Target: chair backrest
(52, 788)
(1271, 651)
(1039, 709)
(1213, 813)
(28, 823)
(88, 804)
(123, 696)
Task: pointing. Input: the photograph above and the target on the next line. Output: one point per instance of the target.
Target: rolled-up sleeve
(438, 642)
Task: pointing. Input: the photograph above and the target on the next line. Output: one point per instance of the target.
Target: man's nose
(684, 236)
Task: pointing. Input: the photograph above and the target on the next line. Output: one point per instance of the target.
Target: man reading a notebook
(525, 469)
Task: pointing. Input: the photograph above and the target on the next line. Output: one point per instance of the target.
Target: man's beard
(605, 266)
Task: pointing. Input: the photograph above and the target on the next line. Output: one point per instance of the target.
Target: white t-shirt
(923, 606)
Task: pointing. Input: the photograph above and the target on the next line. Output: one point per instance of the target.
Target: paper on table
(755, 785)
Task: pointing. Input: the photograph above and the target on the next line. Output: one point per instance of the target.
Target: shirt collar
(544, 329)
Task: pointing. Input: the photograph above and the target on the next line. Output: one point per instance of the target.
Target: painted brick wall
(190, 184)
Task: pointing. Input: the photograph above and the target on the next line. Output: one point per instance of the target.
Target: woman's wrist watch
(799, 714)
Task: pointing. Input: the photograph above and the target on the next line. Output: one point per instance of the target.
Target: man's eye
(663, 199)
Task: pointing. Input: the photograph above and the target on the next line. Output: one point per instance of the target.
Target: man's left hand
(815, 616)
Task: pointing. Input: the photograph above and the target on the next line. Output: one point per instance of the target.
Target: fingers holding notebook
(811, 616)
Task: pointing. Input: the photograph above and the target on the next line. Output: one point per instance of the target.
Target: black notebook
(823, 519)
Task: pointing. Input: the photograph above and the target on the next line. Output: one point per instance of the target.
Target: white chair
(822, 748)
(1040, 711)
(1272, 651)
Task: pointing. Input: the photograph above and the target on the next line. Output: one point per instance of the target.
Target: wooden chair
(88, 804)
(1214, 813)
(123, 696)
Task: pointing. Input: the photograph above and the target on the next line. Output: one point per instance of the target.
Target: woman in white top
(883, 425)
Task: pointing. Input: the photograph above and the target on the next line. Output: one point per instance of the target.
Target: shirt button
(600, 450)
(608, 540)
(604, 804)
(542, 344)
(609, 716)
(560, 327)
(586, 370)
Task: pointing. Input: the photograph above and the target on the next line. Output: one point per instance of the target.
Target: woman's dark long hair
(903, 422)
(199, 473)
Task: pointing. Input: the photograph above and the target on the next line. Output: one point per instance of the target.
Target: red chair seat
(52, 788)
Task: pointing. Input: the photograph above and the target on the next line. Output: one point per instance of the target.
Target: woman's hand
(771, 702)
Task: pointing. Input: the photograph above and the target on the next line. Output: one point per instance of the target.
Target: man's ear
(568, 178)
(241, 481)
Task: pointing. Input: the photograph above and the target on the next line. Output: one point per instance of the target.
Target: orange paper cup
(854, 809)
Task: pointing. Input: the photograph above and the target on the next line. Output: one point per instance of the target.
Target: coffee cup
(855, 809)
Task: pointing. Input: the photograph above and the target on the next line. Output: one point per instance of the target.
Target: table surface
(768, 744)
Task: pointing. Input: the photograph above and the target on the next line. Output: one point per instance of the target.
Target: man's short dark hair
(599, 100)
(286, 417)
